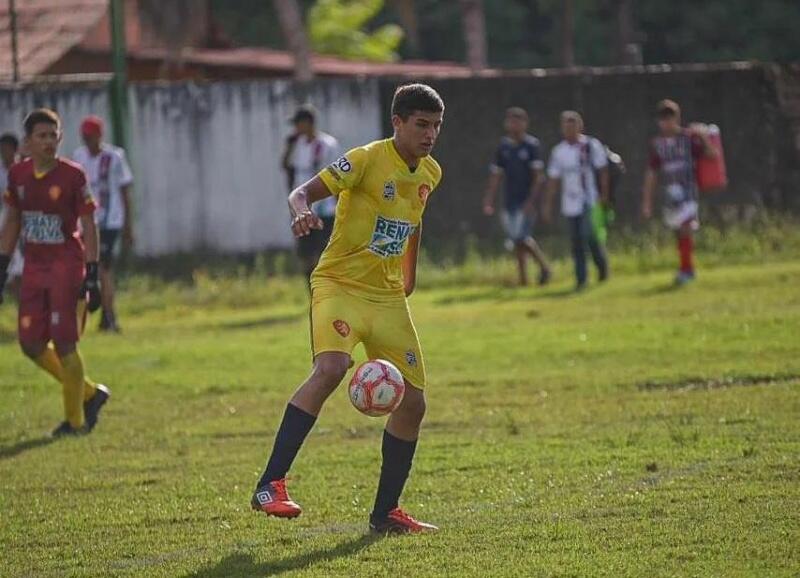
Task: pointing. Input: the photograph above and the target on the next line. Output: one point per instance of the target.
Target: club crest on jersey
(389, 190)
(389, 237)
(54, 192)
(424, 191)
(341, 327)
(411, 358)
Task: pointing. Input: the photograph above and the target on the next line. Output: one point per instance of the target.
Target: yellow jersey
(380, 205)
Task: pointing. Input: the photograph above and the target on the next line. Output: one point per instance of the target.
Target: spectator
(308, 150)
(518, 161)
(572, 168)
(110, 179)
(9, 155)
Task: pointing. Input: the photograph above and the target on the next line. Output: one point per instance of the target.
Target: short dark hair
(668, 109)
(305, 112)
(41, 116)
(411, 98)
(9, 139)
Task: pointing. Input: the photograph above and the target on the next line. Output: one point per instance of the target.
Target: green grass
(632, 430)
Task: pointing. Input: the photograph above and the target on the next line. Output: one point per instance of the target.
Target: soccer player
(307, 151)
(519, 160)
(46, 198)
(572, 168)
(358, 295)
(673, 154)
(110, 179)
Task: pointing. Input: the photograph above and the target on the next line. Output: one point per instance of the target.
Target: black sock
(397, 457)
(293, 431)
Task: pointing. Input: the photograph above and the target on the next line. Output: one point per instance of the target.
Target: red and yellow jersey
(50, 205)
(380, 206)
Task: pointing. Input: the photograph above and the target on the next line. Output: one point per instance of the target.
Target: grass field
(632, 430)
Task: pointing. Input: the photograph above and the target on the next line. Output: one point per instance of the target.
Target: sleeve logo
(343, 165)
(389, 237)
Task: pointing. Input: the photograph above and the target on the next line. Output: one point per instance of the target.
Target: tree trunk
(407, 12)
(474, 33)
(295, 34)
(568, 34)
(628, 51)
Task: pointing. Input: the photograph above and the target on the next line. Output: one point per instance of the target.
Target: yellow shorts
(341, 320)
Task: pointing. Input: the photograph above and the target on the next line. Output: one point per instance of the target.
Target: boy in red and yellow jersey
(47, 197)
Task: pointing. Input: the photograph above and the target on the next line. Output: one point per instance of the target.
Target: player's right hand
(647, 212)
(488, 209)
(303, 223)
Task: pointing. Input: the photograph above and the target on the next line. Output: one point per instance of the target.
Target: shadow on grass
(661, 289)
(23, 446)
(243, 565)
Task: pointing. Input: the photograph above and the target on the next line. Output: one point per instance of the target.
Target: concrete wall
(618, 108)
(206, 157)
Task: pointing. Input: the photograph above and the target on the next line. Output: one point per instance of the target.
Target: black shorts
(108, 245)
(315, 242)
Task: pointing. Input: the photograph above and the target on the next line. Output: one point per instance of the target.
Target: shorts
(341, 320)
(313, 244)
(49, 303)
(108, 246)
(676, 216)
(516, 225)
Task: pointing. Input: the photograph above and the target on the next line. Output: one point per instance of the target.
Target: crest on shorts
(20, 192)
(411, 358)
(341, 327)
(54, 192)
(424, 191)
(389, 190)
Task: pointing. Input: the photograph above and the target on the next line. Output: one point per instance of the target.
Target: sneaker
(274, 500)
(684, 277)
(92, 407)
(398, 522)
(544, 277)
(64, 429)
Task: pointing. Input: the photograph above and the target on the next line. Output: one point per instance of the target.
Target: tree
(336, 27)
(295, 34)
(407, 13)
(568, 33)
(474, 23)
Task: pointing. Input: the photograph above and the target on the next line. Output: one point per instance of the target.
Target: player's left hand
(304, 221)
(91, 287)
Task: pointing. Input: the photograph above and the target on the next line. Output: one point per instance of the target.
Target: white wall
(206, 157)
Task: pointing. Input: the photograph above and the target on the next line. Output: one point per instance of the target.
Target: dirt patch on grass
(706, 383)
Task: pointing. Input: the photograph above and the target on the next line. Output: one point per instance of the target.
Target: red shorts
(48, 302)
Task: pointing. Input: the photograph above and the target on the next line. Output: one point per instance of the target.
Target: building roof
(50, 30)
(46, 31)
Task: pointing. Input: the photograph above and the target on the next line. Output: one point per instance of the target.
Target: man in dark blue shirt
(519, 160)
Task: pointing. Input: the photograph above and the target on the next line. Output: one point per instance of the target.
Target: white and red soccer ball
(377, 388)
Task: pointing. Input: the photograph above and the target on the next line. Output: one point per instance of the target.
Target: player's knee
(330, 371)
(413, 408)
(32, 349)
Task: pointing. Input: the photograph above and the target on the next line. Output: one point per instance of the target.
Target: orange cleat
(274, 500)
(398, 522)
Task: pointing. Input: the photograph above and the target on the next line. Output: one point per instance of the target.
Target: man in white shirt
(110, 178)
(307, 152)
(9, 148)
(575, 165)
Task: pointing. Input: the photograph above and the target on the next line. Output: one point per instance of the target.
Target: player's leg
(394, 338)
(522, 262)
(577, 241)
(685, 239)
(108, 241)
(335, 329)
(596, 246)
(535, 251)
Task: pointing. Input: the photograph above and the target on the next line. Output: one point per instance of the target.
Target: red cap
(92, 126)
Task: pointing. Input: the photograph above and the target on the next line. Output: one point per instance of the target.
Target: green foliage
(337, 27)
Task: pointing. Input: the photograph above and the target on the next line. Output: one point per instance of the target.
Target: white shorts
(675, 217)
(516, 224)
(16, 265)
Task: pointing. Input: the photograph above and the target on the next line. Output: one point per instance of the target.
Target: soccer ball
(377, 388)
